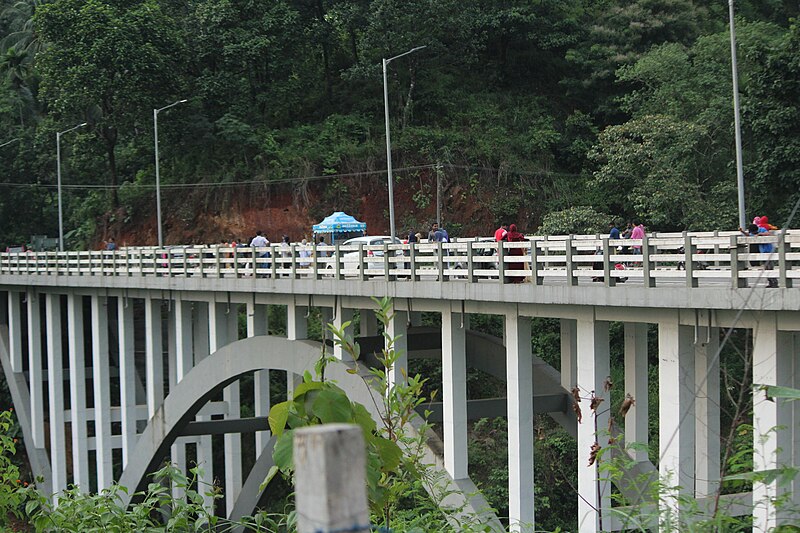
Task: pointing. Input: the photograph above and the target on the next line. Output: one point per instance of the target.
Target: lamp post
(737, 121)
(158, 177)
(388, 137)
(58, 170)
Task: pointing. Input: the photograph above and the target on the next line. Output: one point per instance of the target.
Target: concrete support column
(569, 353)
(676, 421)
(341, 315)
(15, 331)
(181, 362)
(519, 382)
(223, 331)
(102, 392)
(296, 329)
(368, 326)
(397, 329)
(154, 355)
(707, 436)
(772, 443)
(200, 338)
(55, 386)
(184, 345)
(454, 394)
(593, 366)
(127, 376)
(796, 417)
(296, 322)
(258, 324)
(77, 393)
(636, 374)
(35, 369)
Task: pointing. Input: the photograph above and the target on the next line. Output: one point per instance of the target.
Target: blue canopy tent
(341, 227)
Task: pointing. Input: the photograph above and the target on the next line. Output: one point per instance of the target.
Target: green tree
(647, 169)
(111, 62)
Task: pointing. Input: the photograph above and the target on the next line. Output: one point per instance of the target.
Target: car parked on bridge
(374, 257)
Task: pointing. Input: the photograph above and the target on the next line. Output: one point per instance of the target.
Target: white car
(351, 260)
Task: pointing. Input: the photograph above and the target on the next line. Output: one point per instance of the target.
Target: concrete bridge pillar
(772, 420)
(102, 392)
(397, 329)
(454, 393)
(55, 393)
(368, 323)
(15, 330)
(127, 376)
(796, 417)
(35, 368)
(201, 330)
(154, 355)
(707, 436)
(296, 329)
(258, 324)
(676, 383)
(636, 421)
(569, 353)
(519, 382)
(341, 315)
(592, 370)
(180, 362)
(77, 393)
(223, 325)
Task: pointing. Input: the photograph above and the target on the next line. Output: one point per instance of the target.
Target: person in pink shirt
(637, 233)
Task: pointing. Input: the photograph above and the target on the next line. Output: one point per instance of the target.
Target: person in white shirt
(259, 241)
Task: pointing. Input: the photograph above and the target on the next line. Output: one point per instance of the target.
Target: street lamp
(158, 177)
(388, 138)
(58, 167)
(737, 121)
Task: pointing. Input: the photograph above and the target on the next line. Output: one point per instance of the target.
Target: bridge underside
(156, 374)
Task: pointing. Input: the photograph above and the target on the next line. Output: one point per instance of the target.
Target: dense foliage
(522, 109)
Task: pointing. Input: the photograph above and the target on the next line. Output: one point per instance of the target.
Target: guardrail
(693, 258)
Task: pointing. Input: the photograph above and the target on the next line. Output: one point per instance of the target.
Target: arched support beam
(199, 385)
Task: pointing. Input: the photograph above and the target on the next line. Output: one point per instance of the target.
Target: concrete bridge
(118, 359)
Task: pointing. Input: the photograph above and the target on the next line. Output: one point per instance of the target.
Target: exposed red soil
(282, 211)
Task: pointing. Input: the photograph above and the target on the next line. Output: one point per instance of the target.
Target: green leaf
(282, 454)
(278, 416)
(332, 406)
(389, 452)
(304, 387)
(774, 391)
(273, 471)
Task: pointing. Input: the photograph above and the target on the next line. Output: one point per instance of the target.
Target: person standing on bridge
(514, 236)
(260, 241)
(637, 233)
(765, 230)
(501, 232)
(432, 232)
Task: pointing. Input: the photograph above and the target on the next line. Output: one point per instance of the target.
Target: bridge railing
(691, 258)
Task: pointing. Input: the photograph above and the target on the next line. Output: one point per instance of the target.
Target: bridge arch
(200, 384)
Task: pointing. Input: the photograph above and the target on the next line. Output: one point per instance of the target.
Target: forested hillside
(522, 109)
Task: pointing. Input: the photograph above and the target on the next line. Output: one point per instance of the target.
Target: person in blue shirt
(614, 231)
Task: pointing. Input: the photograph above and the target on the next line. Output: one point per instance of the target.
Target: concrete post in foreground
(330, 479)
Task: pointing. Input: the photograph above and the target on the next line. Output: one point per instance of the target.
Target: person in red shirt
(501, 232)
